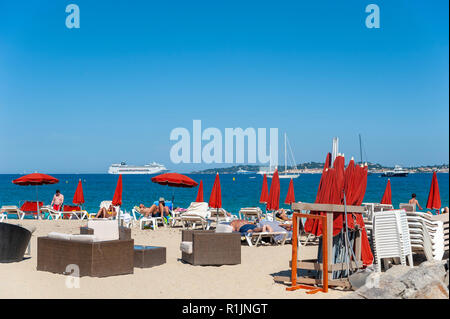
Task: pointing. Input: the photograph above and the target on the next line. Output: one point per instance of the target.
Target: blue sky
(77, 100)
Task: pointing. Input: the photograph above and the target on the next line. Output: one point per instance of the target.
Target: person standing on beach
(414, 201)
(58, 200)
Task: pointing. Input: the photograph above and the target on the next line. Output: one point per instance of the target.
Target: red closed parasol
(117, 199)
(174, 180)
(78, 197)
(290, 197)
(264, 198)
(215, 200)
(273, 202)
(387, 196)
(200, 192)
(434, 198)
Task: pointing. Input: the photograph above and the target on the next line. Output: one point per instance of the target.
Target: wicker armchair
(206, 247)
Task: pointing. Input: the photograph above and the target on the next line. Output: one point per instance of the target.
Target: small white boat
(397, 172)
(243, 171)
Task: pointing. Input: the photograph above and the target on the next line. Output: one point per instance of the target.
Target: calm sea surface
(237, 190)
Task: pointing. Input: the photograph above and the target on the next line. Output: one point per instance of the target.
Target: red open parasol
(36, 179)
(200, 192)
(434, 199)
(264, 198)
(387, 196)
(273, 202)
(290, 197)
(174, 180)
(78, 197)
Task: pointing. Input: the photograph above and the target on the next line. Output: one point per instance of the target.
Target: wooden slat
(311, 265)
(313, 281)
(328, 208)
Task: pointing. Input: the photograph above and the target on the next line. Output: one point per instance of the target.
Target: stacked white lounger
(428, 234)
(391, 237)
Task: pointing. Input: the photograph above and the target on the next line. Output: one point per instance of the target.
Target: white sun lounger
(253, 239)
(12, 209)
(55, 214)
(250, 213)
(391, 237)
(196, 214)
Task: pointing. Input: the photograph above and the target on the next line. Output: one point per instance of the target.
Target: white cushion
(56, 235)
(224, 228)
(197, 209)
(84, 238)
(186, 247)
(105, 229)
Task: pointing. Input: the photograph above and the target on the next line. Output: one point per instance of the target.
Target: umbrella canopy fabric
(273, 202)
(434, 198)
(264, 198)
(290, 197)
(174, 180)
(387, 196)
(78, 197)
(35, 179)
(117, 199)
(200, 192)
(215, 200)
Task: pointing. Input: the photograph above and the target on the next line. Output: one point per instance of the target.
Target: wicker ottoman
(149, 256)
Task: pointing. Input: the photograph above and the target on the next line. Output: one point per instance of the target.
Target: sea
(238, 190)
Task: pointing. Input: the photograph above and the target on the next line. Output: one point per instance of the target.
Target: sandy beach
(253, 278)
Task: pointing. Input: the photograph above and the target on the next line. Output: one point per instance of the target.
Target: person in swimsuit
(106, 213)
(155, 211)
(414, 201)
(245, 227)
(281, 214)
(57, 201)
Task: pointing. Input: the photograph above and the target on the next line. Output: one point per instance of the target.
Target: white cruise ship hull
(149, 169)
(136, 172)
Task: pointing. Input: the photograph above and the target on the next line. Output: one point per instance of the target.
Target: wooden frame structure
(327, 266)
(294, 285)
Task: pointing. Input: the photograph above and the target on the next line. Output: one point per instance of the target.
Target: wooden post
(294, 250)
(325, 259)
(329, 243)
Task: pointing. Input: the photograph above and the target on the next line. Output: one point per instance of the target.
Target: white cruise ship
(123, 168)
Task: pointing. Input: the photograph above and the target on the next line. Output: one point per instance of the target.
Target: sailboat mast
(285, 158)
(360, 148)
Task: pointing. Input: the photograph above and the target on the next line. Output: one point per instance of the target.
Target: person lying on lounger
(106, 213)
(155, 211)
(245, 227)
(281, 214)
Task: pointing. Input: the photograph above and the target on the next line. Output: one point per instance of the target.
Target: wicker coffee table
(149, 256)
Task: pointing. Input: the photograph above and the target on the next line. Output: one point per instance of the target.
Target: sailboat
(360, 154)
(285, 174)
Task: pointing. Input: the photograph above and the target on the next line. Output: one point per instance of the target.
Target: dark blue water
(243, 191)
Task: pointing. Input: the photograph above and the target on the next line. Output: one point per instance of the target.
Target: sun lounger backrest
(105, 204)
(105, 229)
(70, 208)
(197, 209)
(408, 207)
(29, 206)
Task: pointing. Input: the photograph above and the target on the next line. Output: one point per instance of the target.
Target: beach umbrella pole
(37, 203)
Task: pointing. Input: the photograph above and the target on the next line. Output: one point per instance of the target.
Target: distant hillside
(314, 166)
